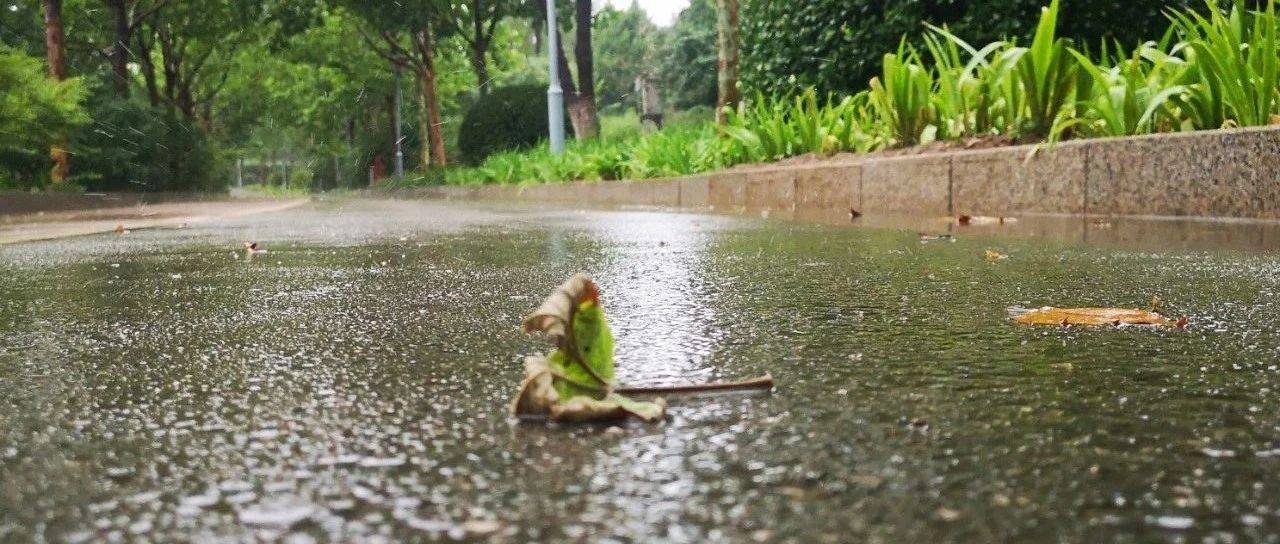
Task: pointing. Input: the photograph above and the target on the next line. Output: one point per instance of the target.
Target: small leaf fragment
(593, 340)
(537, 392)
(649, 411)
(552, 317)
(587, 409)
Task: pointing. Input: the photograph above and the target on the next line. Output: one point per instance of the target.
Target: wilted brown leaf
(538, 398)
(586, 409)
(537, 392)
(552, 317)
(574, 383)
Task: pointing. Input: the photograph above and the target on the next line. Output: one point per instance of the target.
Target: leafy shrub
(131, 146)
(769, 129)
(34, 112)
(508, 118)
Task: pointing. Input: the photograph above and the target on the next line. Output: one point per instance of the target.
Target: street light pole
(399, 149)
(555, 95)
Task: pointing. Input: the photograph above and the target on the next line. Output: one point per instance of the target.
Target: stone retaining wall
(1221, 173)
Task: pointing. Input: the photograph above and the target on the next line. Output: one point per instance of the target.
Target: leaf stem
(587, 386)
(762, 382)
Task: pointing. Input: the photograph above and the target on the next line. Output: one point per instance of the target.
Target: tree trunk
(582, 105)
(535, 26)
(424, 123)
(337, 172)
(120, 47)
(148, 68)
(171, 64)
(186, 101)
(391, 126)
(427, 75)
(728, 95)
(479, 45)
(397, 139)
(562, 67)
(582, 115)
(480, 67)
(54, 44)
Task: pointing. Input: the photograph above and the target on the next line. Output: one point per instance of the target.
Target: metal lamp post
(399, 150)
(555, 95)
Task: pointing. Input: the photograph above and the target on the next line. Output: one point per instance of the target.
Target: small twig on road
(763, 382)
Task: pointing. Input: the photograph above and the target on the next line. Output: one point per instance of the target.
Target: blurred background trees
(180, 95)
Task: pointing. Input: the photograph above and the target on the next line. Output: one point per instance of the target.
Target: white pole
(396, 115)
(555, 95)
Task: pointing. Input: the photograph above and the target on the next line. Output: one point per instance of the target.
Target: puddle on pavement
(352, 384)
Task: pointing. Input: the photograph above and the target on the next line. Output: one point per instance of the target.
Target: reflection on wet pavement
(352, 384)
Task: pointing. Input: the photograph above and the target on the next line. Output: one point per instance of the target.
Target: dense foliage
(131, 146)
(1216, 68)
(184, 95)
(688, 53)
(835, 45)
(623, 42)
(175, 94)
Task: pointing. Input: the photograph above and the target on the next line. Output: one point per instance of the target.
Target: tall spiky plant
(1047, 72)
(1234, 75)
(972, 96)
(901, 98)
(1133, 95)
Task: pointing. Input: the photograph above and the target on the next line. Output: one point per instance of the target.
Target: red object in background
(379, 168)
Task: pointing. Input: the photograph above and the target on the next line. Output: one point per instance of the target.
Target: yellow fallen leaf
(993, 255)
(1096, 316)
(966, 220)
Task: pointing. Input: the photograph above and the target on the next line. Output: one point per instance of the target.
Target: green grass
(1219, 68)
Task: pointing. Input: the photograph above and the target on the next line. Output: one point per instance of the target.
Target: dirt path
(167, 215)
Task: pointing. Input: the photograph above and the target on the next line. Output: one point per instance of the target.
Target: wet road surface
(353, 382)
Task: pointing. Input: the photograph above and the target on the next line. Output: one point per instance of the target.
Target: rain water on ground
(352, 384)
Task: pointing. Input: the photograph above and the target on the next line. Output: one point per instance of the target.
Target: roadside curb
(1229, 173)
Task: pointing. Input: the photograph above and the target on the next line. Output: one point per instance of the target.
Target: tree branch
(137, 19)
(389, 54)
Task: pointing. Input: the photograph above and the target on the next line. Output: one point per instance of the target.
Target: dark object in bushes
(513, 117)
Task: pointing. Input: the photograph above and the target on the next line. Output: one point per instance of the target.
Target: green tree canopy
(623, 43)
(33, 111)
(688, 56)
